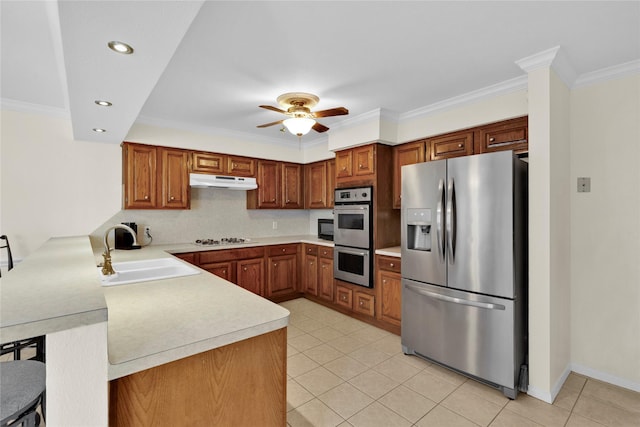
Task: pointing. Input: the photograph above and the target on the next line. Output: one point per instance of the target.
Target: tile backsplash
(217, 213)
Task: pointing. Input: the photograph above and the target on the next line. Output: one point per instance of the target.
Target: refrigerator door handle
(450, 221)
(455, 300)
(440, 221)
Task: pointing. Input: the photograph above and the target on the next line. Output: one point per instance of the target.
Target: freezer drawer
(474, 334)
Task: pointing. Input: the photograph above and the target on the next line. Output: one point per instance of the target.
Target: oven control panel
(353, 195)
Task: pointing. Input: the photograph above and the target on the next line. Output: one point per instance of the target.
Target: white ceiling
(207, 65)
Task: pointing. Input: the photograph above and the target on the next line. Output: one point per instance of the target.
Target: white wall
(605, 231)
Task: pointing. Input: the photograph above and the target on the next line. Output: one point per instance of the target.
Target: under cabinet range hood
(199, 180)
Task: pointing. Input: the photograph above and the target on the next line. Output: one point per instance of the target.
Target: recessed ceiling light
(103, 103)
(120, 47)
(99, 130)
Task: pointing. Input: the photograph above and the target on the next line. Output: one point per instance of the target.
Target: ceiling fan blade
(339, 111)
(319, 128)
(276, 109)
(270, 124)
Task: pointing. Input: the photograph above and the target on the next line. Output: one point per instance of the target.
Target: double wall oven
(353, 235)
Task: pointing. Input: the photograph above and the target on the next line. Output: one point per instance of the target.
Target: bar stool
(9, 257)
(22, 387)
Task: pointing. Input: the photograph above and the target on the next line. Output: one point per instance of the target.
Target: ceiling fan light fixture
(299, 125)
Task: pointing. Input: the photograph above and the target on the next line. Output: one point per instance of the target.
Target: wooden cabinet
(319, 184)
(217, 164)
(355, 164)
(222, 269)
(352, 299)
(282, 270)
(451, 145)
(344, 297)
(279, 186)
(364, 303)
(405, 154)
(507, 135)
(155, 177)
(250, 275)
(388, 281)
(310, 270)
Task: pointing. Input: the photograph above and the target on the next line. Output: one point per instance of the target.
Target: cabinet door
(241, 166)
(344, 297)
(292, 181)
(405, 154)
(140, 176)
(310, 277)
(250, 275)
(364, 160)
(451, 145)
(208, 163)
(221, 269)
(282, 275)
(268, 184)
(331, 182)
(174, 179)
(507, 135)
(325, 279)
(364, 303)
(390, 296)
(189, 257)
(344, 164)
(316, 186)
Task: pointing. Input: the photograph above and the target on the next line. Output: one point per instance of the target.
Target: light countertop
(393, 251)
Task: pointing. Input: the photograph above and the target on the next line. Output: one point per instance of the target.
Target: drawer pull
(361, 303)
(146, 197)
(384, 280)
(244, 269)
(284, 250)
(460, 145)
(344, 168)
(492, 139)
(392, 264)
(361, 166)
(172, 198)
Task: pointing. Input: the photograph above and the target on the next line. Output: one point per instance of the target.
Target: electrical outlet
(275, 225)
(584, 185)
(147, 230)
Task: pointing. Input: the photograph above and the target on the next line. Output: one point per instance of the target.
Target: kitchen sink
(146, 270)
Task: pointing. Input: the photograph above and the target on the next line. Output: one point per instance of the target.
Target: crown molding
(503, 88)
(609, 73)
(27, 107)
(551, 58)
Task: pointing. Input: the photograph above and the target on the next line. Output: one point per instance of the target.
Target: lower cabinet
(282, 270)
(359, 301)
(389, 288)
(250, 275)
(325, 274)
(310, 269)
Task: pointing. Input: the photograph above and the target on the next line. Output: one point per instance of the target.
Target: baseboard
(550, 396)
(603, 376)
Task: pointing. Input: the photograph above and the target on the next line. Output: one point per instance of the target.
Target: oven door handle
(353, 252)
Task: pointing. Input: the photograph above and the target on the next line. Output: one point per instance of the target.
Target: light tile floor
(344, 372)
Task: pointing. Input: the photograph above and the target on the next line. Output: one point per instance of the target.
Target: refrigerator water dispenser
(419, 229)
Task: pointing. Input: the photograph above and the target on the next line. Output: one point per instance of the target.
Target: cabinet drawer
(283, 250)
(364, 304)
(189, 257)
(208, 163)
(344, 297)
(389, 263)
(241, 166)
(451, 145)
(310, 249)
(325, 252)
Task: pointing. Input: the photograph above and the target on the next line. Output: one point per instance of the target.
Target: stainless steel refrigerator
(464, 266)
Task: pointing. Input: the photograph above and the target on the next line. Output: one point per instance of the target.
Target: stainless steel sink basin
(146, 270)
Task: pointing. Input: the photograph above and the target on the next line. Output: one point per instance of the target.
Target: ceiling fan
(297, 105)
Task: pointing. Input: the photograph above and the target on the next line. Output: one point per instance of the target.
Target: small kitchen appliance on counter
(325, 229)
(123, 239)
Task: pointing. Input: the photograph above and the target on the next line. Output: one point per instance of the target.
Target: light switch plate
(584, 184)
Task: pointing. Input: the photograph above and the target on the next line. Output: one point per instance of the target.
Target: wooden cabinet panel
(316, 186)
(282, 275)
(310, 274)
(364, 303)
(405, 154)
(507, 135)
(292, 185)
(140, 176)
(388, 263)
(241, 166)
(222, 269)
(325, 278)
(268, 185)
(209, 257)
(364, 160)
(211, 163)
(325, 252)
(344, 297)
(390, 296)
(331, 182)
(174, 179)
(455, 144)
(344, 164)
(250, 275)
(190, 257)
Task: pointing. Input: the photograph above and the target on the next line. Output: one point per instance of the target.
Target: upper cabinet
(155, 177)
(356, 165)
(455, 144)
(280, 186)
(319, 182)
(507, 135)
(405, 154)
(219, 164)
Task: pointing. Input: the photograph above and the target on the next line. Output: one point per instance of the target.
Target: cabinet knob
(284, 250)
(344, 168)
(361, 303)
(492, 139)
(384, 280)
(244, 268)
(311, 263)
(172, 198)
(224, 271)
(273, 200)
(288, 201)
(391, 264)
(309, 250)
(460, 145)
(275, 264)
(324, 266)
(146, 197)
(234, 165)
(361, 166)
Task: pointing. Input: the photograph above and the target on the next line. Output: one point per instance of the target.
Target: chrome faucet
(107, 268)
